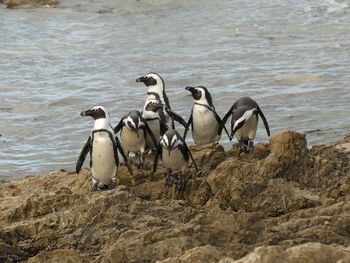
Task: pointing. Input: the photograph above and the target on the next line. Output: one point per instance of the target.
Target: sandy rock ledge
(282, 203)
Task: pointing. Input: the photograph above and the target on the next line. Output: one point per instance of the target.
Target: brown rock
(310, 253)
(278, 197)
(31, 3)
(60, 255)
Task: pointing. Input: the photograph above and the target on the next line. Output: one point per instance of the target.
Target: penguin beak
(86, 113)
(190, 89)
(141, 79)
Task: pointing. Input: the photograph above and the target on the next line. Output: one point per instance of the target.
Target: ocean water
(292, 57)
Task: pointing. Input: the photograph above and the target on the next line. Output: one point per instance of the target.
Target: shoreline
(280, 200)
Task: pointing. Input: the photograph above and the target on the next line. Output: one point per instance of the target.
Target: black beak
(141, 79)
(86, 113)
(191, 89)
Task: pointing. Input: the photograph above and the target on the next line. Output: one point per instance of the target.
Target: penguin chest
(154, 126)
(174, 160)
(248, 130)
(204, 126)
(133, 141)
(103, 166)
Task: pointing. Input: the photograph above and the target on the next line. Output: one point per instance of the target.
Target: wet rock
(279, 197)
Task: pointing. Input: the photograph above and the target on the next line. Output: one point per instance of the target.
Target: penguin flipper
(176, 117)
(122, 153)
(83, 154)
(264, 121)
(156, 157)
(227, 115)
(221, 125)
(189, 122)
(119, 126)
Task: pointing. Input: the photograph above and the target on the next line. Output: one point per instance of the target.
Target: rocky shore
(282, 203)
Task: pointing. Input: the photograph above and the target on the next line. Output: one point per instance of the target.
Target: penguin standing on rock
(103, 148)
(244, 122)
(205, 122)
(156, 91)
(133, 131)
(174, 154)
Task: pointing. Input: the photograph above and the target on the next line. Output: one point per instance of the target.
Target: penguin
(133, 131)
(103, 148)
(205, 122)
(157, 107)
(244, 122)
(174, 154)
(156, 90)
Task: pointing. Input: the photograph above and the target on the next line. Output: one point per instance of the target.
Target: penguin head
(152, 80)
(200, 94)
(133, 120)
(170, 140)
(154, 105)
(97, 112)
(239, 117)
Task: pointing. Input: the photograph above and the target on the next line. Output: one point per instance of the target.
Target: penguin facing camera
(174, 155)
(103, 148)
(244, 122)
(206, 125)
(133, 133)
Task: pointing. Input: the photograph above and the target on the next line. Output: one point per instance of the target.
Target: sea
(292, 57)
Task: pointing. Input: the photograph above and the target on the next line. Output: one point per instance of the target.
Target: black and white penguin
(156, 91)
(133, 131)
(244, 122)
(205, 122)
(103, 148)
(157, 107)
(174, 154)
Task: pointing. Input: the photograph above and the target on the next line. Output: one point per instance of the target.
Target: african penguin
(205, 122)
(244, 122)
(156, 90)
(174, 154)
(103, 148)
(157, 107)
(133, 131)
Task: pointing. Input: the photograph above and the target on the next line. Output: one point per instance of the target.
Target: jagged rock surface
(278, 197)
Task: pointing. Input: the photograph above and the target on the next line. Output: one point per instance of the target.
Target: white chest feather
(248, 130)
(174, 160)
(103, 167)
(132, 141)
(205, 126)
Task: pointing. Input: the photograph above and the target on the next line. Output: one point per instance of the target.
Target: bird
(244, 122)
(103, 148)
(205, 122)
(156, 90)
(174, 154)
(157, 107)
(133, 131)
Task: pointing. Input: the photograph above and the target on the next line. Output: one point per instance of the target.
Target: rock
(309, 252)
(273, 201)
(31, 3)
(60, 255)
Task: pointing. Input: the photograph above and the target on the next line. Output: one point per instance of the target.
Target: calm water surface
(292, 57)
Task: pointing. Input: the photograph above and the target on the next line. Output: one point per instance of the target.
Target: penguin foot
(170, 179)
(94, 188)
(139, 162)
(180, 184)
(245, 146)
